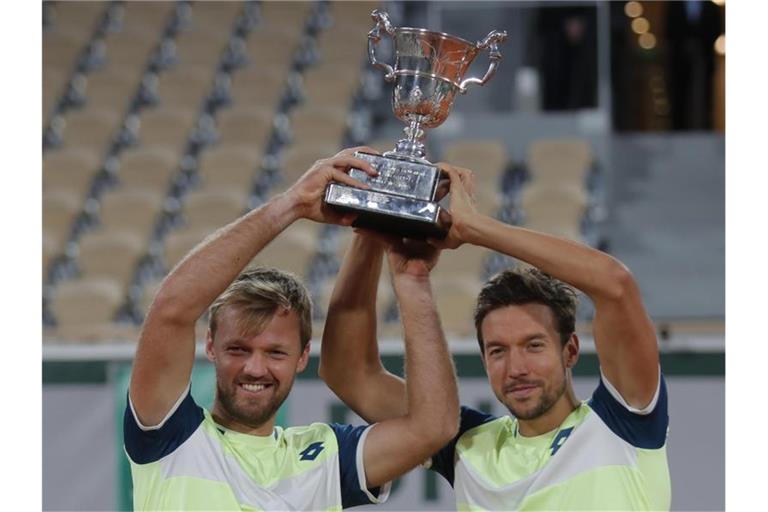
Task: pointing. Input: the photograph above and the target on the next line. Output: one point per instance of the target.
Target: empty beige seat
(215, 16)
(130, 49)
(78, 15)
(90, 128)
(229, 166)
(298, 158)
(557, 211)
(291, 15)
(83, 303)
(347, 14)
(132, 211)
(384, 296)
(319, 125)
(60, 208)
(69, 170)
(545, 186)
(201, 47)
(246, 126)
(255, 86)
(467, 260)
(150, 16)
(272, 49)
(111, 89)
(560, 160)
(289, 251)
(185, 86)
(535, 194)
(486, 158)
(331, 87)
(346, 42)
(166, 126)
(488, 198)
(61, 49)
(102, 333)
(147, 168)
(110, 254)
(216, 207)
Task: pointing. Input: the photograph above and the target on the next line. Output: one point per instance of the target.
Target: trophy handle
(491, 42)
(374, 36)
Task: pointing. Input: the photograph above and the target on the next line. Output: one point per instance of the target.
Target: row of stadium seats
(134, 181)
(147, 153)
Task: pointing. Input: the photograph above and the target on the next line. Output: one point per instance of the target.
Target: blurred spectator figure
(692, 28)
(568, 57)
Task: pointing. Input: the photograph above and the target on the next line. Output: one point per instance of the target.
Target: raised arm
(431, 420)
(166, 349)
(624, 334)
(349, 357)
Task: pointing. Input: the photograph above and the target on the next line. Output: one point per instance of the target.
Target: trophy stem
(412, 147)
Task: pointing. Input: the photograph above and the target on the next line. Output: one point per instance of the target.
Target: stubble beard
(546, 402)
(254, 415)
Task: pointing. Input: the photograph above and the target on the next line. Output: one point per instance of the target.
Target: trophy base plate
(388, 213)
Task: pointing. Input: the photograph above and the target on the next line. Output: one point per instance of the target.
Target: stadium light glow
(640, 25)
(647, 41)
(720, 45)
(633, 9)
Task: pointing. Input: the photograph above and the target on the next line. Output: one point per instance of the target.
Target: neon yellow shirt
(604, 456)
(188, 462)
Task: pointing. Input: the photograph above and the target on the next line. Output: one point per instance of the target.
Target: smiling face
(254, 370)
(527, 363)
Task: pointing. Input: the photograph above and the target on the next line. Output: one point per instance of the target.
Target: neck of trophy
(412, 146)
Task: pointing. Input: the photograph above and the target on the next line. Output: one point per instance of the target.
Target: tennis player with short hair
(554, 452)
(234, 457)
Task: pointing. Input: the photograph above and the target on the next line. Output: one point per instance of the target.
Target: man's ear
(571, 351)
(209, 346)
(303, 359)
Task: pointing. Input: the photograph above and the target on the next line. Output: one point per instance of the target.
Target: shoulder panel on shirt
(444, 460)
(648, 431)
(352, 471)
(149, 444)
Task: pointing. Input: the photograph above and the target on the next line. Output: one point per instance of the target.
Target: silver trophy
(428, 72)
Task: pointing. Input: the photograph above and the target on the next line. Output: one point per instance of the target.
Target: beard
(252, 413)
(548, 399)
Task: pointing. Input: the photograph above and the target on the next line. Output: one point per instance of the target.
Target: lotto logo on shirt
(312, 451)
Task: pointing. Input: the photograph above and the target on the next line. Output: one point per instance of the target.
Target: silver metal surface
(409, 179)
(378, 202)
(428, 71)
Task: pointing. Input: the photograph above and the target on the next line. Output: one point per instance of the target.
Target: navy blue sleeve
(443, 461)
(145, 446)
(348, 437)
(640, 430)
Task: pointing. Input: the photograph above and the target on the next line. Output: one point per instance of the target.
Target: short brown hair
(258, 292)
(525, 286)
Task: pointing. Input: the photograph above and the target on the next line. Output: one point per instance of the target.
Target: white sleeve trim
(385, 488)
(167, 416)
(648, 409)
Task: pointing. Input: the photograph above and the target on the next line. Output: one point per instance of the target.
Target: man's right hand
(463, 209)
(308, 192)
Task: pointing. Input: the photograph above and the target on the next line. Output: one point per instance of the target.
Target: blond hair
(257, 293)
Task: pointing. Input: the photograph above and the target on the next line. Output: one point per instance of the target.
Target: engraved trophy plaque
(429, 70)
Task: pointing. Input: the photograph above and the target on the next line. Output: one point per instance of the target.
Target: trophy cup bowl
(429, 71)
